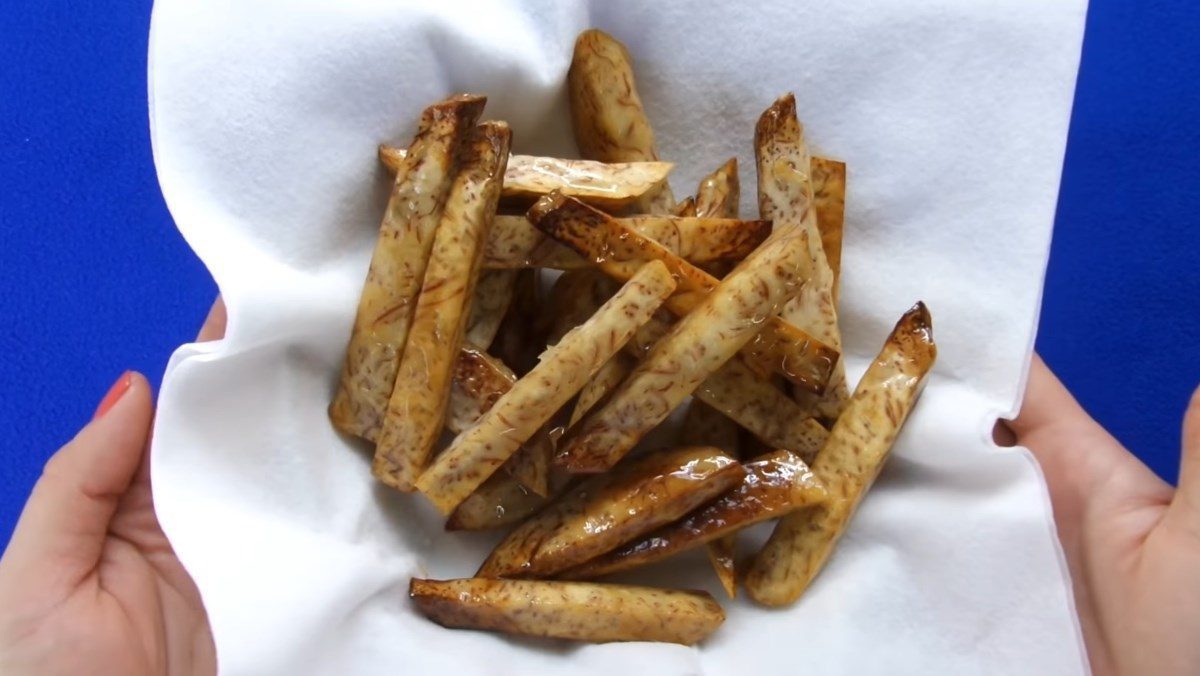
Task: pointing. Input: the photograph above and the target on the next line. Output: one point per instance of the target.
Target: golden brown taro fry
(705, 426)
(597, 390)
(514, 243)
(757, 405)
(849, 463)
(694, 349)
(774, 485)
(530, 465)
(720, 192)
(493, 296)
(580, 611)
(478, 452)
(417, 408)
(687, 207)
(722, 554)
(479, 380)
(606, 112)
(760, 407)
(609, 186)
(608, 510)
(718, 195)
(785, 196)
(620, 251)
(522, 334)
(575, 296)
(829, 199)
(500, 501)
(389, 294)
(721, 324)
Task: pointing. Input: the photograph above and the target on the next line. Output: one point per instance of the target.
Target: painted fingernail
(114, 395)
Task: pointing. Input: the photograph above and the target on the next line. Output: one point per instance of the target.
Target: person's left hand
(89, 583)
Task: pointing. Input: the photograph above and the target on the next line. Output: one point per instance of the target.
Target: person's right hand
(1132, 542)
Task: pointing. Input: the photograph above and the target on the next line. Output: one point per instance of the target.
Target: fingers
(1076, 454)
(1186, 505)
(214, 324)
(1043, 395)
(1190, 465)
(1002, 434)
(1047, 425)
(1084, 466)
(1047, 402)
(61, 532)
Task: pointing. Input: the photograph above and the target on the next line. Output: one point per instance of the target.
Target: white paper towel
(952, 116)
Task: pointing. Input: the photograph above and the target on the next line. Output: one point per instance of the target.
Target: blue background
(94, 279)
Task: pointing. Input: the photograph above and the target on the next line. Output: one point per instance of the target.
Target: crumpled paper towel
(953, 118)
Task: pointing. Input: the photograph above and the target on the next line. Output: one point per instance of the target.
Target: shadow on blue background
(96, 279)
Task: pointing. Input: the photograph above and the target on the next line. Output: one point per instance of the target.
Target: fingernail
(114, 395)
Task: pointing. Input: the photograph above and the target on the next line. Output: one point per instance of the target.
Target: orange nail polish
(114, 395)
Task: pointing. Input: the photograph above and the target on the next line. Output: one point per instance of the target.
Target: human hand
(1132, 542)
(89, 583)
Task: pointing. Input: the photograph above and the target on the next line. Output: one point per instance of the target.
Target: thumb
(1049, 416)
(1085, 468)
(1185, 507)
(60, 535)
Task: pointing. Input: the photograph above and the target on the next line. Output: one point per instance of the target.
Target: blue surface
(1120, 316)
(96, 279)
